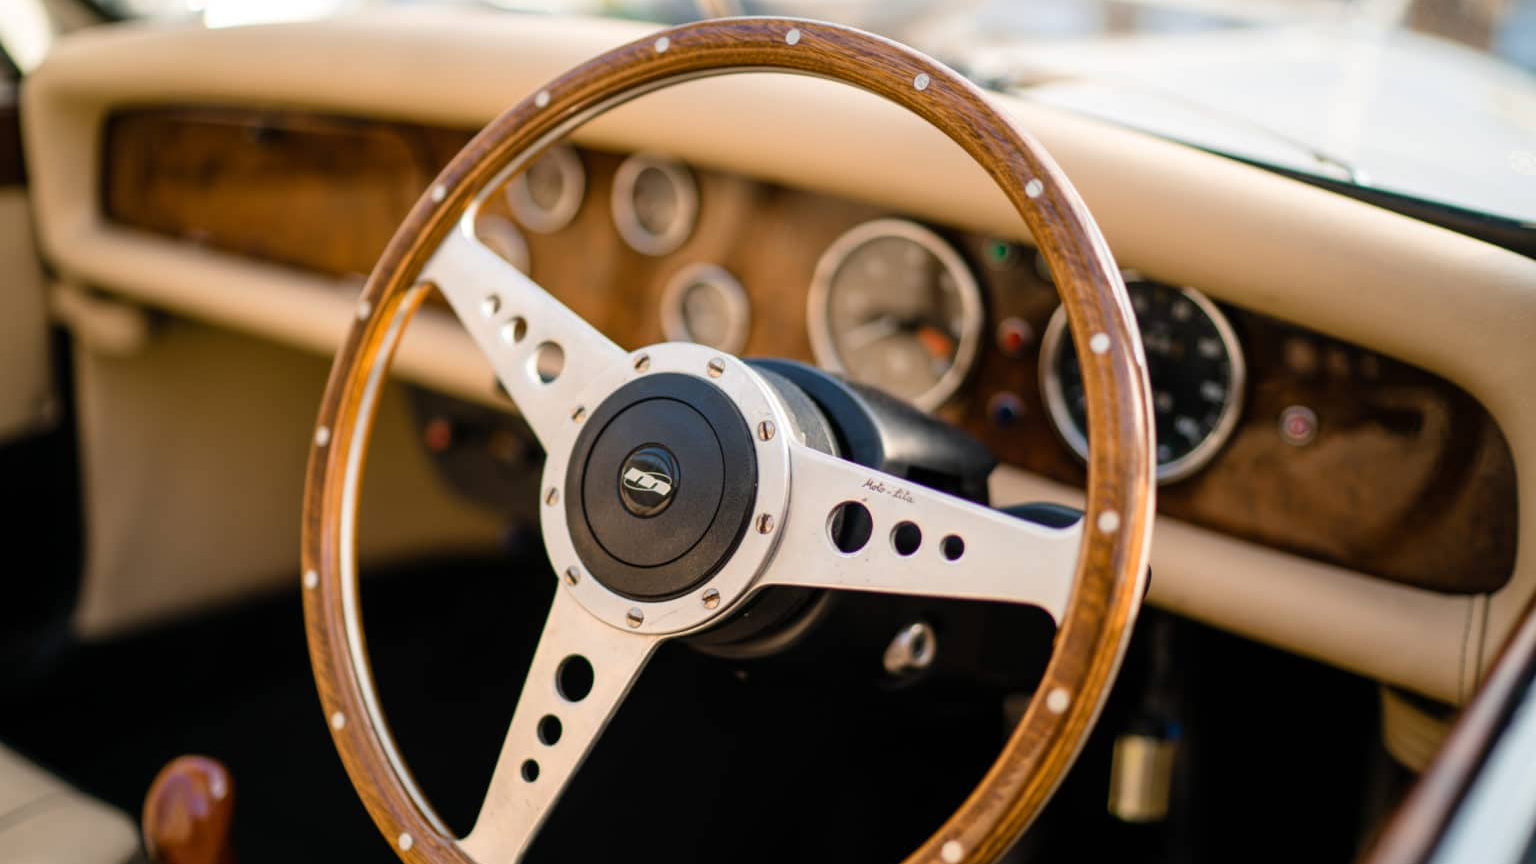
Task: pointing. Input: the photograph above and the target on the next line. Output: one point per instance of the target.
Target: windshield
(1430, 99)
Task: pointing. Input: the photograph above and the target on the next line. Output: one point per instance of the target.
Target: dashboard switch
(1298, 425)
(438, 434)
(1015, 337)
(1005, 409)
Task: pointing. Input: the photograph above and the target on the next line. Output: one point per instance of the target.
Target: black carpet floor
(708, 760)
(450, 643)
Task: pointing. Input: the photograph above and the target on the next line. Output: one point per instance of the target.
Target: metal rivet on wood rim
(1058, 700)
(1098, 343)
(439, 192)
(1033, 188)
(406, 841)
(311, 579)
(338, 720)
(952, 852)
(921, 81)
(793, 36)
(663, 44)
(323, 436)
(542, 99)
(1109, 521)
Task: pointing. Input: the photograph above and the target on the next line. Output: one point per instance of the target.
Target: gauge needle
(871, 331)
(938, 343)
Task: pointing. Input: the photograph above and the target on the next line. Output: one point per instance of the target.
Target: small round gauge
(502, 237)
(704, 303)
(545, 197)
(655, 203)
(1195, 364)
(894, 306)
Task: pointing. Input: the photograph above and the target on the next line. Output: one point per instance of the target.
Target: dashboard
(1267, 431)
(1373, 547)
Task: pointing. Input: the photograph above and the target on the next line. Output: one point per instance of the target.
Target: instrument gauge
(655, 203)
(545, 197)
(704, 303)
(894, 306)
(1195, 364)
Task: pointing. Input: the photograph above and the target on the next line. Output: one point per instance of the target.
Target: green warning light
(1001, 253)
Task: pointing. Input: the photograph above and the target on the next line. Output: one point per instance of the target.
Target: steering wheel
(692, 464)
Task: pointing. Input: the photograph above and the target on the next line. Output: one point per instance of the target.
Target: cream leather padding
(45, 821)
(192, 453)
(1459, 307)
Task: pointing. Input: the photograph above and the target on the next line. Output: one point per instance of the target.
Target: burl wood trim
(1120, 495)
(1409, 478)
(320, 192)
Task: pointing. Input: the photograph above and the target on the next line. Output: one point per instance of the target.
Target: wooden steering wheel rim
(1111, 566)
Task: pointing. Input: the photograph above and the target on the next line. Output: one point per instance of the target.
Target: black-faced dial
(1195, 365)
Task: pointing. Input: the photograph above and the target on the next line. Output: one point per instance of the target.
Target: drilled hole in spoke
(574, 678)
(850, 526)
(549, 730)
(513, 331)
(906, 537)
(530, 770)
(952, 547)
(547, 363)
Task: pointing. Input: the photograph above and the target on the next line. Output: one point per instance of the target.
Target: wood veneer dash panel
(1409, 479)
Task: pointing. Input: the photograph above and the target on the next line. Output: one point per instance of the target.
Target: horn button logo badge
(648, 479)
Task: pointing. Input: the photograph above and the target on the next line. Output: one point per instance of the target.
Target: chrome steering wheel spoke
(581, 672)
(918, 541)
(543, 353)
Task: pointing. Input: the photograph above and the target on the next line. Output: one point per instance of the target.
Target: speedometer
(1195, 364)
(894, 306)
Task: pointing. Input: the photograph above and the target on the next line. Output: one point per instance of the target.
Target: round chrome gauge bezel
(627, 220)
(972, 311)
(674, 321)
(1061, 418)
(573, 188)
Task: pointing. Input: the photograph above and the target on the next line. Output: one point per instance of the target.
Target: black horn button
(660, 486)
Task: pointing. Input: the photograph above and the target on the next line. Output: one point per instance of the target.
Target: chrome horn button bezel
(734, 581)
